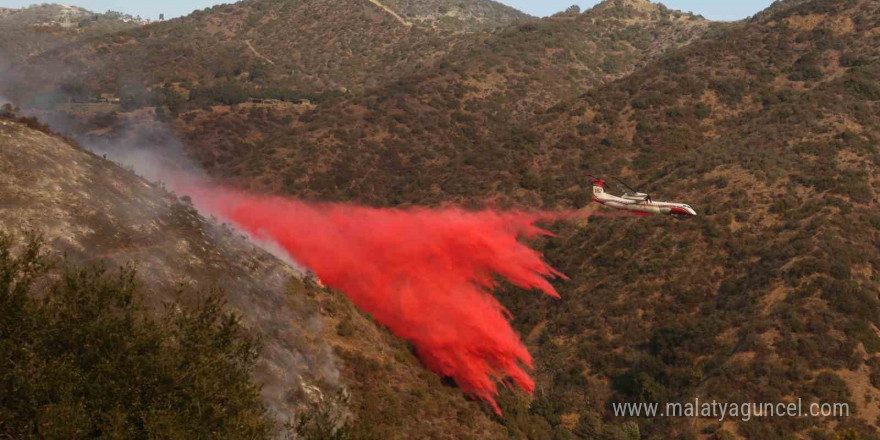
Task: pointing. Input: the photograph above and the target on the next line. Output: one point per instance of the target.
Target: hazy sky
(714, 9)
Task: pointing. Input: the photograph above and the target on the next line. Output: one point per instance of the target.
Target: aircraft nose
(682, 212)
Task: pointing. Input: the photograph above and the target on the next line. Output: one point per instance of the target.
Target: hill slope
(280, 47)
(442, 117)
(40, 28)
(456, 15)
(770, 129)
(316, 343)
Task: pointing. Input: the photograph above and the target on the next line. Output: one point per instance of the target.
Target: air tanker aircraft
(639, 203)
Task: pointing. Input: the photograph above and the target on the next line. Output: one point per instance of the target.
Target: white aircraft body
(639, 203)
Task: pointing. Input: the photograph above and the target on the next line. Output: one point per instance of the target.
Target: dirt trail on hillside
(258, 54)
(391, 11)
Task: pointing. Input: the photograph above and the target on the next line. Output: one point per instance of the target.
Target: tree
(83, 360)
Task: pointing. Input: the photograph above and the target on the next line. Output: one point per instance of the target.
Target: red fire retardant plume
(426, 274)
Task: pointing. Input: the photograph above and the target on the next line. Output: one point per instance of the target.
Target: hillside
(272, 48)
(28, 32)
(315, 343)
(456, 16)
(768, 127)
(442, 116)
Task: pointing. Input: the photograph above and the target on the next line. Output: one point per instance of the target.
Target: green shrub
(83, 360)
(702, 111)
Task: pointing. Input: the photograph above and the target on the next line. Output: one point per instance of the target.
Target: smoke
(4, 65)
(426, 274)
(146, 146)
(296, 367)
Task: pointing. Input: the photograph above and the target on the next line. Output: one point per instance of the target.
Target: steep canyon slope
(319, 351)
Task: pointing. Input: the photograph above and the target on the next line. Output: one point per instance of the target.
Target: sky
(713, 10)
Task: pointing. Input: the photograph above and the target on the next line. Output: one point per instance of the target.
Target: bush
(702, 111)
(345, 327)
(326, 421)
(85, 361)
(807, 68)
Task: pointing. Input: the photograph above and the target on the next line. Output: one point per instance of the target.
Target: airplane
(639, 203)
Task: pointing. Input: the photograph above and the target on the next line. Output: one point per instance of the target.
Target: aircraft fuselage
(640, 204)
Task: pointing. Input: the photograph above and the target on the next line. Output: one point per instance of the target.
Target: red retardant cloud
(426, 274)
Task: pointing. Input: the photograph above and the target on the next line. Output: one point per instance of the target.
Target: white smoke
(152, 152)
(4, 82)
(149, 149)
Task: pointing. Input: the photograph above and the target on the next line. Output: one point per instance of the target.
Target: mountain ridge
(42, 28)
(316, 47)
